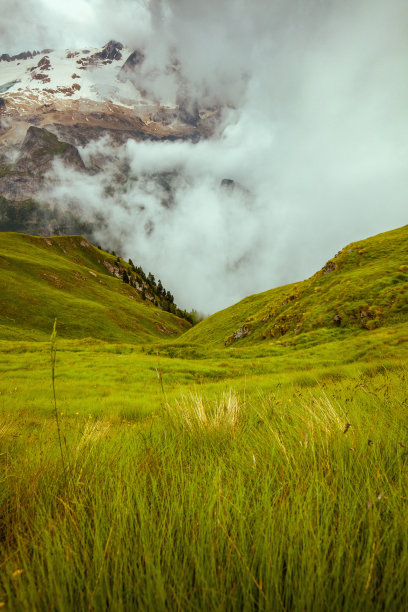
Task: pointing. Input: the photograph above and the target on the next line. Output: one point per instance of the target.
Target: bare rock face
(37, 154)
(189, 111)
(330, 267)
(21, 56)
(111, 51)
(44, 63)
(242, 332)
(39, 72)
(41, 147)
(134, 60)
(19, 183)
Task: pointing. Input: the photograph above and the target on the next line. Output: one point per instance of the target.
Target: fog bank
(314, 135)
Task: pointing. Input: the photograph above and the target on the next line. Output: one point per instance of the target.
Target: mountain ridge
(363, 287)
(91, 292)
(73, 88)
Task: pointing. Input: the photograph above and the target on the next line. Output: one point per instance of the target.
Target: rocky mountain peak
(5, 57)
(39, 149)
(111, 51)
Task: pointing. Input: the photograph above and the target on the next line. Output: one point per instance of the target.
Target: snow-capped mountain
(97, 75)
(82, 94)
(64, 118)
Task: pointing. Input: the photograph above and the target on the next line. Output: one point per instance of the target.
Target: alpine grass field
(257, 461)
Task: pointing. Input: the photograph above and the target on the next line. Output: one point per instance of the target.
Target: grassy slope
(366, 285)
(265, 501)
(65, 277)
(274, 504)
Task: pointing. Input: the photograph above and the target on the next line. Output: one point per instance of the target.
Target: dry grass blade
(196, 414)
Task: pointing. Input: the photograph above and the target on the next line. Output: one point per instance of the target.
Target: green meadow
(185, 468)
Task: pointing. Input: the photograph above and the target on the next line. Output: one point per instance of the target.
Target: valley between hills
(155, 459)
(173, 457)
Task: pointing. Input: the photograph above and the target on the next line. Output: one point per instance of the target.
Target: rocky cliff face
(110, 52)
(22, 180)
(135, 59)
(40, 148)
(5, 57)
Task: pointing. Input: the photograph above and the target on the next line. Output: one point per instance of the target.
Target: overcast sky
(38, 24)
(318, 132)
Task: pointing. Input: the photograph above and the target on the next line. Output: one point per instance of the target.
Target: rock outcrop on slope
(5, 57)
(39, 150)
(136, 58)
(111, 51)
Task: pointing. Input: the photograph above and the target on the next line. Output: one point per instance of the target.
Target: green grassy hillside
(364, 286)
(271, 475)
(68, 278)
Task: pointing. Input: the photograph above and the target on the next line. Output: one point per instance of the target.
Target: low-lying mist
(313, 134)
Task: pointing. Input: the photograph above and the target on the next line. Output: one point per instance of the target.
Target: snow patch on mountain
(92, 74)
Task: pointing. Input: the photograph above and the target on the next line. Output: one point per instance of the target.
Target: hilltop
(92, 293)
(363, 287)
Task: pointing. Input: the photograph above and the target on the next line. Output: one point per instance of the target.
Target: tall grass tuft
(53, 355)
(197, 415)
(289, 500)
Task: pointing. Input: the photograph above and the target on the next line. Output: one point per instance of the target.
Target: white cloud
(318, 136)
(36, 24)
